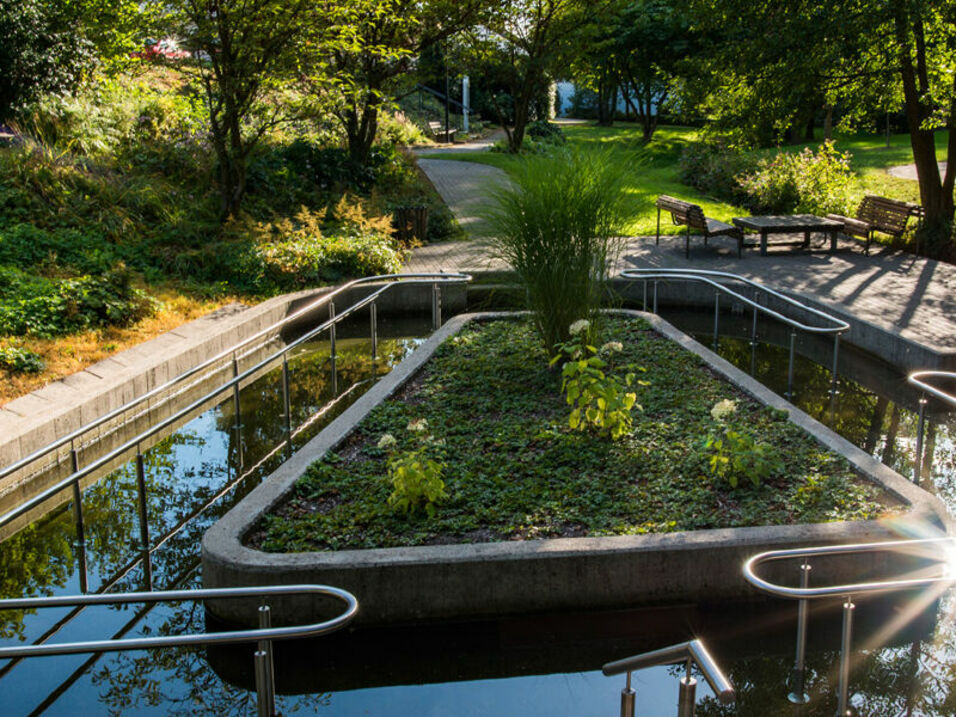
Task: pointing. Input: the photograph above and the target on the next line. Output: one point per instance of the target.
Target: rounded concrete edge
(488, 579)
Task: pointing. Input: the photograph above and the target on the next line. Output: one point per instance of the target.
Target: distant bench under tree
(440, 133)
(692, 216)
(879, 214)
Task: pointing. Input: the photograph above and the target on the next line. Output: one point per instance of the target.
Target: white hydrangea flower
(722, 409)
(612, 346)
(579, 327)
(387, 441)
(417, 426)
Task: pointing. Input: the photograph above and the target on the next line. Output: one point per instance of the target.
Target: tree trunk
(937, 199)
(828, 122)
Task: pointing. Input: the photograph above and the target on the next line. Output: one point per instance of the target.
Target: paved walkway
(905, 294)
(908, 171)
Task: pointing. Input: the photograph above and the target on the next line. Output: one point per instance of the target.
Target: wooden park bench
(692, 216)
(878, 214)
(440, 133)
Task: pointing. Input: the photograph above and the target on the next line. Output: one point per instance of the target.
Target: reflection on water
(192, 477)
(542, 665)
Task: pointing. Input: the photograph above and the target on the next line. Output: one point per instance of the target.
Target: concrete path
(476, 145)
(908, 171)
(901, 293)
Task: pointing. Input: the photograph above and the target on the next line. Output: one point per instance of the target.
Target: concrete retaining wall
(458, 581)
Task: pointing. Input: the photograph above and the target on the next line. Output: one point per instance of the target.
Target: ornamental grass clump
(558, 226)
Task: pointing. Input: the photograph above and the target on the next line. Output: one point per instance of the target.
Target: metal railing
(692, 652)
(941, 551)
(78, 472)
(836, 327)
(233, 353)
(920, 379)
(263, 636)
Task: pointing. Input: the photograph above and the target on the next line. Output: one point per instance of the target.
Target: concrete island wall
(397, 585)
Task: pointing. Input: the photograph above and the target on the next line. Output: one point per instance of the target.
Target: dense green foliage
(514, 470)
(557, 225)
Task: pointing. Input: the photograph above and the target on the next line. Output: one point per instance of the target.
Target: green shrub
(804, 182)
(415, 476)
(86, 253)
(734, 454)
(17, 359)
(47, 307)
(544, 131)
(558, 226)
(714, 167)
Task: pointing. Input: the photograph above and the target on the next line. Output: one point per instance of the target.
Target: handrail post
(716, 318)
(920, 428)
(687, 693)
(78, 519)
(628, 698)
(655, 297)
(143, 518)
(845, 642)
(793, 349)
(77, 499)
(237, 409)
(798, 695)
(436, 307)
(332, 356)
(836, 357)
(373, 320)
(286, 402)
(645, 295)
(265, 670)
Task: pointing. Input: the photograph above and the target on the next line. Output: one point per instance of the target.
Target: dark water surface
(535, 666)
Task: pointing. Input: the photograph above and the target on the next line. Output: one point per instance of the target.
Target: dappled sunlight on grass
(654, 170)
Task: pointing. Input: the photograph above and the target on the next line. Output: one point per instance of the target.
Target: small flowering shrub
(805, 183)
(599, 399)
(735, 454)
(416, 478)
(17, 359)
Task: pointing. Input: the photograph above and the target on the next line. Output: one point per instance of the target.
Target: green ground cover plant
(513, 469)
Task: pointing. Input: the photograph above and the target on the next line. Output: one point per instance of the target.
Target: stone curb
(481, 580)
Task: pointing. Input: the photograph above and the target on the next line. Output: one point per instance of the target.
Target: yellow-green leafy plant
(599, 399)
(415, 477)
(734, 454)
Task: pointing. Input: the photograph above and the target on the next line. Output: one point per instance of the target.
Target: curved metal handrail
(918, 379)
(263, 635)
(215, 638)
(802, 593)
(319, 302)
(707, 277)
(693, 650)
(132, 443)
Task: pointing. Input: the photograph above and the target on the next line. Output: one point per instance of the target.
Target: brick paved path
(908, 295)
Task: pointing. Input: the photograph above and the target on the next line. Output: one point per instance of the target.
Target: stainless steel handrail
(710, 278)
(323, 300)
(942, 550)
(919, 379)
(265, 681)
(693, 652)
(79, 473)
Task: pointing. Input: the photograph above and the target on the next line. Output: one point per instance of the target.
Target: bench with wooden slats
(440, 133)
(879, 214)
(692, 216)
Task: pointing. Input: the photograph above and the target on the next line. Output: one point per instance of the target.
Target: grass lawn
(655, 169)
(514, 470)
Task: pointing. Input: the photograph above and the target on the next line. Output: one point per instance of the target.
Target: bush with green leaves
(544, 131)
(17, 359)
(558, 225)
(43, 307)
(715, 167)
(734, 454)
(415, 476)
(599, 399)
(803, 182)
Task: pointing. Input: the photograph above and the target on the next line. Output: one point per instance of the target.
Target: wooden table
(790, 224)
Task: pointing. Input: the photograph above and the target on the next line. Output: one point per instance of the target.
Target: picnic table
(790, 224)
